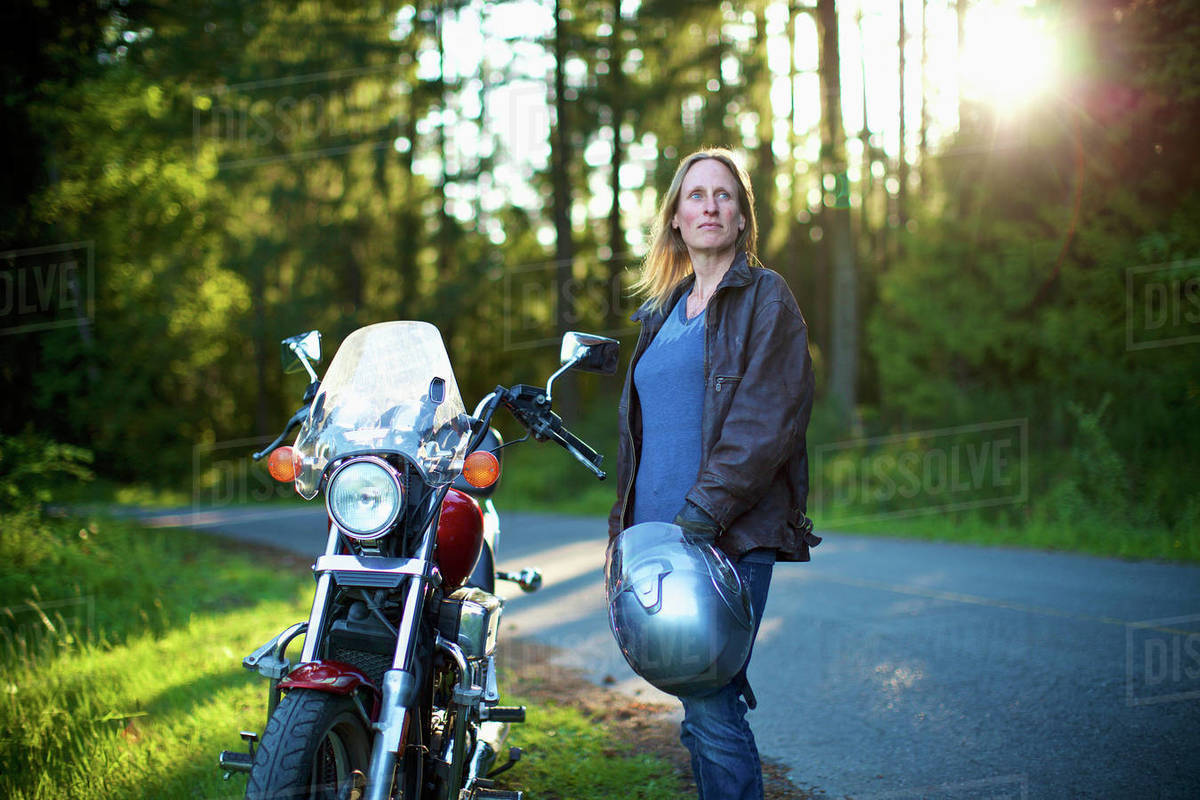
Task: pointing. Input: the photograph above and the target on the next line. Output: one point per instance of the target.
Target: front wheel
(313, 742)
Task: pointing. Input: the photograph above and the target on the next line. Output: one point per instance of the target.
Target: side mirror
(298, 353)
(590, 353)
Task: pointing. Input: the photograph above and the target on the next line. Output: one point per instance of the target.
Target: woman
(712, 421)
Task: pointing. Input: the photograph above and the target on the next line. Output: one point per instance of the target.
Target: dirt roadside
(529, 670)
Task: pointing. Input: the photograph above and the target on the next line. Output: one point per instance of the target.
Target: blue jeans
(725, 762)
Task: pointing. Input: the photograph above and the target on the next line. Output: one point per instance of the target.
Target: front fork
(312, 639)
(400, 687)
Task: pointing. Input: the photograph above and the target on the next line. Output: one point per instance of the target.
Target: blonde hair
(667, 262)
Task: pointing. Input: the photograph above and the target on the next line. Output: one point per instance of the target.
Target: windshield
(389, 389)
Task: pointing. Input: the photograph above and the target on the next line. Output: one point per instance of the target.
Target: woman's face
(707, 215)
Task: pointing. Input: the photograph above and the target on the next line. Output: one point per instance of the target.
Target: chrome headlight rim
(392, 475)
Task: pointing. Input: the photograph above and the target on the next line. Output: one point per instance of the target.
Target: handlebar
(531, 407)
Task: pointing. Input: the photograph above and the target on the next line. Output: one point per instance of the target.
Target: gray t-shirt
(669, 378)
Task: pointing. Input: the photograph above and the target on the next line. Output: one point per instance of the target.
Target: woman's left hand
(697, 524)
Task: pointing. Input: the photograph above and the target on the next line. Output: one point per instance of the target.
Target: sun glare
(1009, 58)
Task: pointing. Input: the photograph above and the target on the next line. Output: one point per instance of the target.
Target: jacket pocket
(725, 382)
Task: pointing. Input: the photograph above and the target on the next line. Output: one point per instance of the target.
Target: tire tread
(282, 763)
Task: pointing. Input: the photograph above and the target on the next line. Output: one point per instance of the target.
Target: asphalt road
(900, 669)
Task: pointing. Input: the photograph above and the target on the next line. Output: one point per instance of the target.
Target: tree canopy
(188, 183)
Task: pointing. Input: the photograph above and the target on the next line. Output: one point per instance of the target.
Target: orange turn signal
(481, 469)
(282, 464)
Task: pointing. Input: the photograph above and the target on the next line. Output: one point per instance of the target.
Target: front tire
(313, 742)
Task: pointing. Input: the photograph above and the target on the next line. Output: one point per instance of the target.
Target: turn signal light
(282, 464)
(481, 469)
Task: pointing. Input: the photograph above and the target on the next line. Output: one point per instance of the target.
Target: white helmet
(678, 610)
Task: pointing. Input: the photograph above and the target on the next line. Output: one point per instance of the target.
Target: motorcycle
(394, 695)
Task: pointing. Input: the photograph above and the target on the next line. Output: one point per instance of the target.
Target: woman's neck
(710, 269)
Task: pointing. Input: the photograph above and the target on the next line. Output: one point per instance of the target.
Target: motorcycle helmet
(678, 610)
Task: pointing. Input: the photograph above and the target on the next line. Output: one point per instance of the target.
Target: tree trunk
(793, 141)
(258, 304)
(765, 167)
(960, 16)
(867, 186)
(444, 231)
(407, 235)
(901, 156)
(566, 399)
(922, 174)
(616, 231)
(844, 328)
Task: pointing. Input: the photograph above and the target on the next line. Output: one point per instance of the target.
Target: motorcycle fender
(328, 676)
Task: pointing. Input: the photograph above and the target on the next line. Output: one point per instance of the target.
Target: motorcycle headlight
(364, 498)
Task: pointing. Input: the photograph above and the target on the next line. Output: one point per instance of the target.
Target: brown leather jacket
(757, 401)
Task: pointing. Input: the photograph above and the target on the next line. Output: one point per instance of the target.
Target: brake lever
(575, 446)
(296, 419)
(582, 459)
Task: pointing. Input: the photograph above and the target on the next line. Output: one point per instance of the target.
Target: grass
(104, 492)
(122, 678)
(143, 719)
(1090, 536)
(121, 657)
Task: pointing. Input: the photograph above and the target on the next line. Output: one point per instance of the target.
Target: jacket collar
(738, 274)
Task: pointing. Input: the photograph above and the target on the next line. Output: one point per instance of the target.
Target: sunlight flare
(1010, 58)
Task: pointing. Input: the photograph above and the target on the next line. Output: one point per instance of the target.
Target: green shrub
(31, 467)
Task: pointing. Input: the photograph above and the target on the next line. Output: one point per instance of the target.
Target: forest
(988, 211)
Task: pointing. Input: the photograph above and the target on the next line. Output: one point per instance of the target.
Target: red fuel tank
(459, 538)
